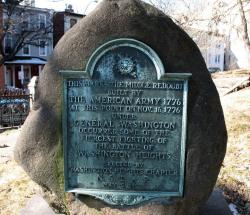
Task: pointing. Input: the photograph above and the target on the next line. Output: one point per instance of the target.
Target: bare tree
(234, 17)
(185, 13)
(218, 17)
(21, 27)
(163, 5)
(245, 24)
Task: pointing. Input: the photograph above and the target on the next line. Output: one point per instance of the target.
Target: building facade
(213, 51)
(63, 21)
(26, 45)
(212, 47)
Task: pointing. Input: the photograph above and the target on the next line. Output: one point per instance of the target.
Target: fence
(14, 107)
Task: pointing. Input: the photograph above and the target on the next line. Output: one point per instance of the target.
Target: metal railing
(14, 107)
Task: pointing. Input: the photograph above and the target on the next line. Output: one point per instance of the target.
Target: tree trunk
(245, 34)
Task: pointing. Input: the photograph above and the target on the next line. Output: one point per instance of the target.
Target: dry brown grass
(15, 185)
(231, 74)
(15, 188)
(234, 176)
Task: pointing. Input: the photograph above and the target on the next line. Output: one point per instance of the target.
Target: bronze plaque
(124, 124)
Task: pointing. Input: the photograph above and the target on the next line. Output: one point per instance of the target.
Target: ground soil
(16, 188)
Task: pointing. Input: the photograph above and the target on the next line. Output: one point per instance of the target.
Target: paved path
(7, 143)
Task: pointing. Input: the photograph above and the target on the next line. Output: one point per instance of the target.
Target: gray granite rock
(39, 148)
(247, 206)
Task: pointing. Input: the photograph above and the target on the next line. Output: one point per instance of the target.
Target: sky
(85, 6)
(79, 6)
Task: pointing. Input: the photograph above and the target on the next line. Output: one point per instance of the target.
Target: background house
(27, 43)
(212, 47)
(63, 21)
(44, 28)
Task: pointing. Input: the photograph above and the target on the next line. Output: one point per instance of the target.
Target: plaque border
(122, 197)
(125, 42)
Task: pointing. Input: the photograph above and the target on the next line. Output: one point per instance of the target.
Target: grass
(231, 74)
(16, 190)
(234, 177)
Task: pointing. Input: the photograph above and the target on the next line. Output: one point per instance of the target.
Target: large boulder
(39, 148)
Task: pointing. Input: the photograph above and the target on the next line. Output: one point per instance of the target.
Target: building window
(26, 49)
(217, 59)
(42, 20)
(42, 48)
(26, 74)
(209, 58)
(8, 43)
(8, 76)
(72, 22)
(26, 22)
(218, 46)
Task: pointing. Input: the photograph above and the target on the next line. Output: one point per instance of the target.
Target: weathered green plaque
(124, 126)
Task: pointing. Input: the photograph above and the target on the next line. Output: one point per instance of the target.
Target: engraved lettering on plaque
(125, 126)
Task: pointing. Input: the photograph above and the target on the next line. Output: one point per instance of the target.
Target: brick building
(62, 22)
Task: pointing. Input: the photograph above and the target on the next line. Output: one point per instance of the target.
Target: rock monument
(127, 118)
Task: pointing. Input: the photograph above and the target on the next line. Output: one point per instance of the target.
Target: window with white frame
(8, 43)
(25, 21)
(217, 58)
(42, 20)
(26, 49)
(42, 48)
